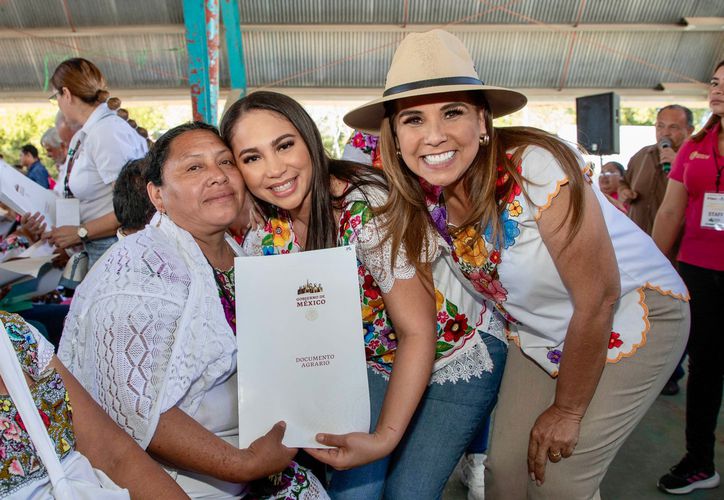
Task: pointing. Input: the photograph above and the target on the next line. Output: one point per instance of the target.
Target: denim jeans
(447, 419)
(96, 248)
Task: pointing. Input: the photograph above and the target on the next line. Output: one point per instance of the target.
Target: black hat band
(434, 82)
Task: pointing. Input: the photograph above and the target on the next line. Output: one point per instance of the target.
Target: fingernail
(538, 483)
(320, 438)
(532, 476)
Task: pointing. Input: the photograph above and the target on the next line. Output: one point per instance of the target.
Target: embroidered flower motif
(510, 230)
(371, 290)
(488, 286)
(358, 140)
(495, 257)
(442, 317)
(455, 328)
(5, 404)
(281, 232)
(439, 299)
(3, 453)
(12, 432)
(615, 340)
(469, 246)
(554, 356)
(16, 469)
(514, 208)
(503, 180)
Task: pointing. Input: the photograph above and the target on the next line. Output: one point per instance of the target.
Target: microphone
(663, 144)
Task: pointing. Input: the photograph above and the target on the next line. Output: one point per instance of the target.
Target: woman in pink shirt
(695, 197)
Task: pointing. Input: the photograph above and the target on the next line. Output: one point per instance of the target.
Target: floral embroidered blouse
(460, 317)
(518, 273)
(19, 463)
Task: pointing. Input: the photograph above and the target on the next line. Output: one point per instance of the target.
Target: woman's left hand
(553, 437)
(351, 450)
(64, 236)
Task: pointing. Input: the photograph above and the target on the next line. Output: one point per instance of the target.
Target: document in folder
(301, 352)
(23, 195)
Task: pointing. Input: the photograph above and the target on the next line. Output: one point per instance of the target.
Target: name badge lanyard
(67, 193)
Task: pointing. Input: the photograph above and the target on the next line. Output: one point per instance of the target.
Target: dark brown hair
(406, 210)
(82, 78)
(713, 119)
(322, 232)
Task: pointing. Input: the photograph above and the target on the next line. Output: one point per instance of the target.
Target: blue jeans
(447, 419)
(96, 248)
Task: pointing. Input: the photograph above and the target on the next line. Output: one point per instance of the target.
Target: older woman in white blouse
(151, 331)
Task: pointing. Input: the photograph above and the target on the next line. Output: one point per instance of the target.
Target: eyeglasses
(54, 97)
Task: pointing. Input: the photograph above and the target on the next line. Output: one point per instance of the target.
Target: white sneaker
(472, 474)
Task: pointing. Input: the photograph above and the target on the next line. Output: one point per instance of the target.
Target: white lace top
(146, 330)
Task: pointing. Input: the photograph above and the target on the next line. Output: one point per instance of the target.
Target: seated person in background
(83, 436)
(131, 204)
(611, 174)
(151, 330)
(36, 171)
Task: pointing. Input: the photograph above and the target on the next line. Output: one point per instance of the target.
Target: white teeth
(283, 187)
(442, 157)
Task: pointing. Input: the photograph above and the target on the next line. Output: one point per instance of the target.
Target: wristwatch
(82, 234)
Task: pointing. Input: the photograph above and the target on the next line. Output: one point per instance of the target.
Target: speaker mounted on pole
(597, 123)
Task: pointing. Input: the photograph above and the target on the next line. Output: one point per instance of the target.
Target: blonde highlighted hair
(406, 215)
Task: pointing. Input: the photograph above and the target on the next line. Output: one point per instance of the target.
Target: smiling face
(273, 159)
(716, 92)
(609, 179)
(202, 190)
(439, 135)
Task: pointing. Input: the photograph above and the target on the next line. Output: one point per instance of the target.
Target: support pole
(201, 18)
(234, 49)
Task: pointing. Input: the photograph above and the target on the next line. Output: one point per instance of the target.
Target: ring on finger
(554, 454)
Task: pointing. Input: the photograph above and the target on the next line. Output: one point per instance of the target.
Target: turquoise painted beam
(234, 46)
(201, 18)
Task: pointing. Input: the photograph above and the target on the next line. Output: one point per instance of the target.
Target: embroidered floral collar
(476, 256)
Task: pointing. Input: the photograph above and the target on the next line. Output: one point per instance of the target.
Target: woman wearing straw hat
(594, 340)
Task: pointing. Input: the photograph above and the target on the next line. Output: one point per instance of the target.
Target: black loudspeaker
(597, 123)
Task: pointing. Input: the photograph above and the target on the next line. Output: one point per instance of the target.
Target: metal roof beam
(690, 93)
(698, 24)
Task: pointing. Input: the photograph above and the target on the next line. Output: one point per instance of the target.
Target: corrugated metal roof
(528, 48)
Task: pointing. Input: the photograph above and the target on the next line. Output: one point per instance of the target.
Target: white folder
(301, 352)
(23, 195)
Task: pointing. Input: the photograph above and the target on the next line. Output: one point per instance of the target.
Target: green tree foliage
(153, 119)
(18, 128)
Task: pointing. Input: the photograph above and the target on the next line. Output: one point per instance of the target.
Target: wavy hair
(406, 211)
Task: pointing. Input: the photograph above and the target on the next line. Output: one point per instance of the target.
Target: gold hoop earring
(484, 140)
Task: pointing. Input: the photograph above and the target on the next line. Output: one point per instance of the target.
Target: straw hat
(431, 63)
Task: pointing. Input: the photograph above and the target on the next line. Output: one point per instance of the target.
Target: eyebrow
(447, 106)
(274, 143)
(198, 155)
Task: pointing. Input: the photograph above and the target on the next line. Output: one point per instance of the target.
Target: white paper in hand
(301, 351)
(23, 195)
